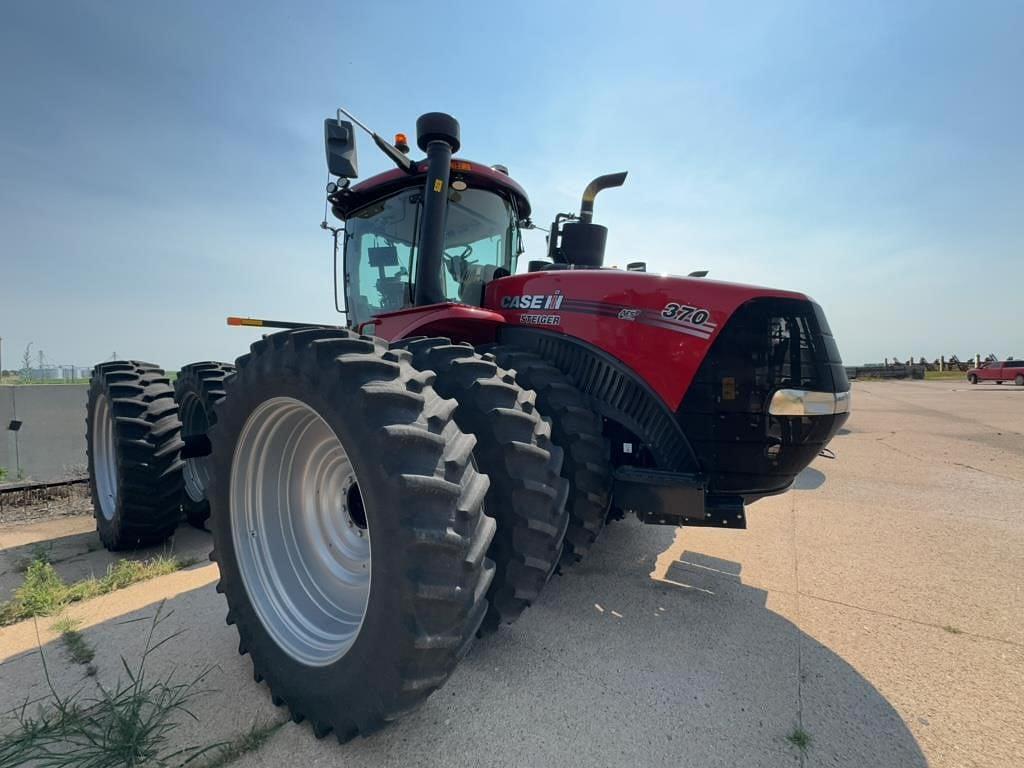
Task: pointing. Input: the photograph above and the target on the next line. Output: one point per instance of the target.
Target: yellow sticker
(437, 185)
(729, 388)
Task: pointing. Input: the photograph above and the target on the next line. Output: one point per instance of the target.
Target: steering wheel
(456, 265)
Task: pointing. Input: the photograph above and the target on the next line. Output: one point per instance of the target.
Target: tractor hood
(751, 375)
(611, 307)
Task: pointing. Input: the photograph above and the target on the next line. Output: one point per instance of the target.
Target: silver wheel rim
(197, 470)
(104, 457)
(300, 535)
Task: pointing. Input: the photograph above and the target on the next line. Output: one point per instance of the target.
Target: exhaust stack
(599, 184)
(581, 243)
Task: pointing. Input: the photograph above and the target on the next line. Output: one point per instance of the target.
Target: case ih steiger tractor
(381, 494)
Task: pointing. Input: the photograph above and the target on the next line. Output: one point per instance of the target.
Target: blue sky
(161, 165)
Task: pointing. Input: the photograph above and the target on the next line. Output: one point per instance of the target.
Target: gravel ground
(30, 506)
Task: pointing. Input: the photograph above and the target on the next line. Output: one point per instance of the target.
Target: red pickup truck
(1008, 370)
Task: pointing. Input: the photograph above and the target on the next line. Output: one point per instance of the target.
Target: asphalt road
(877, 607)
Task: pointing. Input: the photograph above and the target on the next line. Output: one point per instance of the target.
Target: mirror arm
(390, 150)
(395, 154)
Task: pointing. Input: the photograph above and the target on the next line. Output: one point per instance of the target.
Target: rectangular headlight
(802, 402)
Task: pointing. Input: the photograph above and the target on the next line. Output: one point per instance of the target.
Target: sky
(162, 164)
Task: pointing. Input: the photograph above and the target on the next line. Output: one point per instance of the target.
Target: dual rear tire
(133, 445)
(198, 388)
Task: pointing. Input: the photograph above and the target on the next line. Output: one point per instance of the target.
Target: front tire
(576, 428)
(133, 445)
(514, 447)
(197, 389)
(322, 432)
(972, 379)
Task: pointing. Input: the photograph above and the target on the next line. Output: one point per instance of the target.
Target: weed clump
(44, 592)
(127, 725)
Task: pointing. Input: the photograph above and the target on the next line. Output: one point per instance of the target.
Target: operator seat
(471, 289)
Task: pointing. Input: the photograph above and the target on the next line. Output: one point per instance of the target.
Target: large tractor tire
(133, 444)
(348, 525)
(514, 447)
(197, 389)
(577, 429)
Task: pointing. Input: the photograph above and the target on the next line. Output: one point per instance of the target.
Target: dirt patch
(60, 501)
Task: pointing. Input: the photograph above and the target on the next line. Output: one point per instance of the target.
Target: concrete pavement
(877, 606)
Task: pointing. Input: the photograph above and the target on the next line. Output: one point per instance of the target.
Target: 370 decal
(683, 313)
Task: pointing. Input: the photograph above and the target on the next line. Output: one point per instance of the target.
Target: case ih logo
(533, 301)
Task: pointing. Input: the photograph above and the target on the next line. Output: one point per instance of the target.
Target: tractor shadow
(809, 479)
(614, 666)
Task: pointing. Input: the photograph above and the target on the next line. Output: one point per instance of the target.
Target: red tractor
(381, 494)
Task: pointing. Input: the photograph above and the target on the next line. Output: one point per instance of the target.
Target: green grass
(74, 642)
(946, 375)
(3, 474)
(44, 592)
(244, 744)
(799, 738)
(40, 553)
(127, 725)
(953, 630)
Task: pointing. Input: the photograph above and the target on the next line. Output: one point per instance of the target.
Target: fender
(615, 390)
(455, 321)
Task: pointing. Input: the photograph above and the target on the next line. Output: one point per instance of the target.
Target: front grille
(767, 344)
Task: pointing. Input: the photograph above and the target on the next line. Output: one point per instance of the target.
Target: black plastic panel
(767, 344)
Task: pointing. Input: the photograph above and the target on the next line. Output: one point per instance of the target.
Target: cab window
(380, 242)
(481, 235)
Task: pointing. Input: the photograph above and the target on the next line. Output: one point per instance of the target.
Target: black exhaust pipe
(437, 134)
(607, 181)
(581, 243)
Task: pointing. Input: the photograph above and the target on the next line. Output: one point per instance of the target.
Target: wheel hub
(197, 469)
(300, 531)
(104, 457)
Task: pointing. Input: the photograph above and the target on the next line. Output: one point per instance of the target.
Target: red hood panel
(659, 326)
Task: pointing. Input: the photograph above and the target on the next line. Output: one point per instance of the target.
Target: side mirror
(340, 143)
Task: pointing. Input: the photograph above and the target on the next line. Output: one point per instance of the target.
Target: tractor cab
(438, 230)
(383, 219)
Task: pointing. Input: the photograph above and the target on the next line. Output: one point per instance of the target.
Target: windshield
(481, 235)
